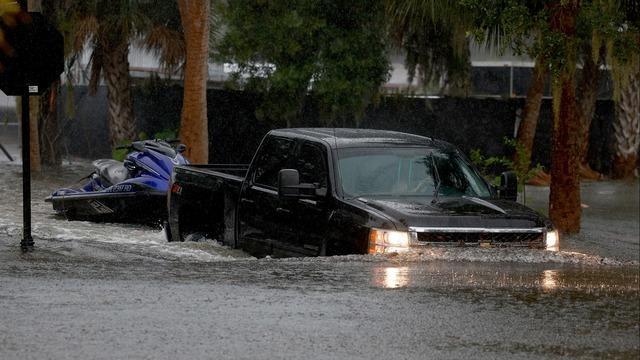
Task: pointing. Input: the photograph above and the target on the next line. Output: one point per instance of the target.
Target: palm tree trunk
(564, 196)
(49, 132)
(627, 130)
(48, 125)
(193, 124)
(116, 74)
(588, 90)
(527, 128)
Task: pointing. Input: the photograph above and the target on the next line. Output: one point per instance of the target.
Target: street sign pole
(31, 59)
(26, 243)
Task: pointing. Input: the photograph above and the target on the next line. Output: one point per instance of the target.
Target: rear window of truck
(274, 155)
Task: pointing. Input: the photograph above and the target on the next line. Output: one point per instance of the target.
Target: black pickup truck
(311, 192)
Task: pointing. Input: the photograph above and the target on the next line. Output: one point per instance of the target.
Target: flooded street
(121, 291)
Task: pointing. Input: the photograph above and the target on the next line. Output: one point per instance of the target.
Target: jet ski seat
(112, 171)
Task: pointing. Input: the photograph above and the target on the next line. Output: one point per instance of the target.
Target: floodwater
(121, 291)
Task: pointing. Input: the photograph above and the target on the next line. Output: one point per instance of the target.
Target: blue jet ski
(133, 191)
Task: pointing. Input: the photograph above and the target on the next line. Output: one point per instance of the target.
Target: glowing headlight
(388, 241)
(552, 240)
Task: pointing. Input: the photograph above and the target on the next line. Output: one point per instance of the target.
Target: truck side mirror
(508, 186)
(288, 182)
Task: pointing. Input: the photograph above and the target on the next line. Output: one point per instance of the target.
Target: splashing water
(151, 243)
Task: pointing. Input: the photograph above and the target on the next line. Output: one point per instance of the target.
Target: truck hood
(457, 212)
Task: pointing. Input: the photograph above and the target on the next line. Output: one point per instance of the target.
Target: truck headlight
(388, 241)
(552, 240)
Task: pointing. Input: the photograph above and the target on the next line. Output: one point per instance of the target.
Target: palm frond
(433, 36)
(217, 26)
(97, 63)
(84, 29)
(155, 25)
(167, 44)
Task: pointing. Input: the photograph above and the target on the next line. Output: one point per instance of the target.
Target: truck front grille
(478, 237)
(534, 237)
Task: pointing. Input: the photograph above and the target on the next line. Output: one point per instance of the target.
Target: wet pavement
(115, 291)
(610, 218)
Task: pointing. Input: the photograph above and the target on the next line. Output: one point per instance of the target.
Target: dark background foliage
(235, 131)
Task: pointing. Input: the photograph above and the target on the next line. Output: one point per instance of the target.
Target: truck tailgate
(203, 200)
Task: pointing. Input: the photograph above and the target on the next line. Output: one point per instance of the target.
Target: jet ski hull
(124, 207)
(129, 191)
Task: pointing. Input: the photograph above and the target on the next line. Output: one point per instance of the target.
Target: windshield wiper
(366, 195)
(437, 189)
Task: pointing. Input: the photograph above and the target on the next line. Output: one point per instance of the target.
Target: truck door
(261, 219)
(312, 214)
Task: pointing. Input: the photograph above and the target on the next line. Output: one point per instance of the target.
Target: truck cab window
(274, 156)
(312, 165)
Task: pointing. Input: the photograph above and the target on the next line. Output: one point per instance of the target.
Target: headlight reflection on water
(393, 277)
(398, 277)
(550, 280)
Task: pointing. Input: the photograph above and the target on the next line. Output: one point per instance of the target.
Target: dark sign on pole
(31, 58)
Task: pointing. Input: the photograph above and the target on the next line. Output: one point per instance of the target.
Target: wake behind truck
(325, 191)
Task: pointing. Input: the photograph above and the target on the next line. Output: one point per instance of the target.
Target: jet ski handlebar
(139, 145)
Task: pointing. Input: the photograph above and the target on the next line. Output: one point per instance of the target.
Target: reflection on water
(393, 277)
(549, 280)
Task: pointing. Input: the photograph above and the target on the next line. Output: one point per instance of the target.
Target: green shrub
(491, 167)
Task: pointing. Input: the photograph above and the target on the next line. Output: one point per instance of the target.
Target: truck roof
(345, 137)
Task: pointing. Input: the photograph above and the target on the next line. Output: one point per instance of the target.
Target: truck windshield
(407, 172)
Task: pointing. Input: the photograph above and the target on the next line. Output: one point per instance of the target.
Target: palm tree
(564, 196)
(433, 36)
(588, 88)
(627, 129)
(556, 26)
(627, 90)
(490, 18)
(531, 113)
(561, 41)
(109, 27)
(193, 123)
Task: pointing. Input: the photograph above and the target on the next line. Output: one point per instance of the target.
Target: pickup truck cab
(310, 192)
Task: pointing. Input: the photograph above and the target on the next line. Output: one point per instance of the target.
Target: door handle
(283, 210)
(247, 201)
